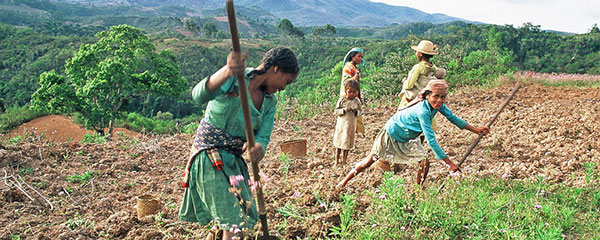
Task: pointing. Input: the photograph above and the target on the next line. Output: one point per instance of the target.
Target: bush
(15, 116)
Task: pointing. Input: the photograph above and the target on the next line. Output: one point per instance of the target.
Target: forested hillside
(473, 53)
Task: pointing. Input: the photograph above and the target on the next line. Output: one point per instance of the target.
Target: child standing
(353, 58)
(347, 109)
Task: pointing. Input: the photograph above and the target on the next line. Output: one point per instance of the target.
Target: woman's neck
(257, 82)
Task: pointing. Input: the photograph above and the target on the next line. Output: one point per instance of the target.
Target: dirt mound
(548, 132)
(60, 129)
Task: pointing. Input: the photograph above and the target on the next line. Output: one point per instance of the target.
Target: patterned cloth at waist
(209, 136)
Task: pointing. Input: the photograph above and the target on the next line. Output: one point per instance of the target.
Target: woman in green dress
(218, 185)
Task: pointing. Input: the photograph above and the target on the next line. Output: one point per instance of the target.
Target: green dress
(208, 196)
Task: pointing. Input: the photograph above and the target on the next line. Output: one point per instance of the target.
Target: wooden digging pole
(235, 42)
(512, 93)
(462, 160)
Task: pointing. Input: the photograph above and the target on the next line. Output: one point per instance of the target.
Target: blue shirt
(407, 124)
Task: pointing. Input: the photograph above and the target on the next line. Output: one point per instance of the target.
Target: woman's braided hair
(281, 57)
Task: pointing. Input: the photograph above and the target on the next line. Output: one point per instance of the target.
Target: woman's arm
(236, 63)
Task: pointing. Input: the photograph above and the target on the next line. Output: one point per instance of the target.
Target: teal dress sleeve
(452, 118)
(202, 95)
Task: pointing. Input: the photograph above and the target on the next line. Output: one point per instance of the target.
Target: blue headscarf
(346, 58)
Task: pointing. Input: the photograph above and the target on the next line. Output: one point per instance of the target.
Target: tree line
(473, 54)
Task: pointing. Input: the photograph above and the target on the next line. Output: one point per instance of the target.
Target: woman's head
(435, 92)
(356, 58)
(355, 55)
(281, 68)
(352, 87)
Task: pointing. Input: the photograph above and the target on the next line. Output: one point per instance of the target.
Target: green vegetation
(34, 56)
(15, 116)
(102, 76)
(480, 208)
(84, 178)
(54, 41)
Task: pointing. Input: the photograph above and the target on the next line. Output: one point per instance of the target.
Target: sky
(574, 16)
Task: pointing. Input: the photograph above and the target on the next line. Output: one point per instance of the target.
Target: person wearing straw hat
(217, 183)
(417, 76)
(353, 58)
(397, 140)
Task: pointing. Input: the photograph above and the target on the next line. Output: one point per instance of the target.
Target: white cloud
(575, 16)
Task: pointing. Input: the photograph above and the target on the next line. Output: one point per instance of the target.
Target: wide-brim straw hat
(425, 46)
(346, 58)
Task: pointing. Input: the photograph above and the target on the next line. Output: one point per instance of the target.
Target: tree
(54, 94)
(595, 29)
(326, 31)
(122, 65)
(287, 28)
(210, 29)
(191, 26)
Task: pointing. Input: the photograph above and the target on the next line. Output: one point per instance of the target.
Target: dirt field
(89, 190)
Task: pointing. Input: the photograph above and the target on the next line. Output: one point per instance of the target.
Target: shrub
(15, 116)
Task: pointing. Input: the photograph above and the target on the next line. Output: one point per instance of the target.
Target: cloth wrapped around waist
(210, 137)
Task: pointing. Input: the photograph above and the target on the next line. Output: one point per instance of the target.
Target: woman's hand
(485, 130)
(236, 62)
(256, 153)
(453, 167)
(478, 130)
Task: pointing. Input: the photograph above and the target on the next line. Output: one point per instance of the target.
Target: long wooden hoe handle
(235, 42)
(512, 93)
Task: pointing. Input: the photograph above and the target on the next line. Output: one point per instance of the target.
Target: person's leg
(423, 170)
(337, 155)
(345, 157)
(384, 165)
(362, 165)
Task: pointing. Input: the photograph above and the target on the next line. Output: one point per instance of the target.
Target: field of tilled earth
(54, 187)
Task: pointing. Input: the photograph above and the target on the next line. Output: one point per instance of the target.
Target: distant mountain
(343, 13)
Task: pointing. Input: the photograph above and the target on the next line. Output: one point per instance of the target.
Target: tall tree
(210, 29)
(326, 31)
(122, 65)
(287, 28)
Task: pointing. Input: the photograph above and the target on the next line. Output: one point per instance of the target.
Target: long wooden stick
(512, 93)
(235, 42)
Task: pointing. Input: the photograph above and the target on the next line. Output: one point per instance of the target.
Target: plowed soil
(58, 188)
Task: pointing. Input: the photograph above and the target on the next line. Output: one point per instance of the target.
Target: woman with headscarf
(395, 142)
(353, 58)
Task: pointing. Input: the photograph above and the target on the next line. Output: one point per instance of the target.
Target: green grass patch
(489, 208)
(577, 84)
